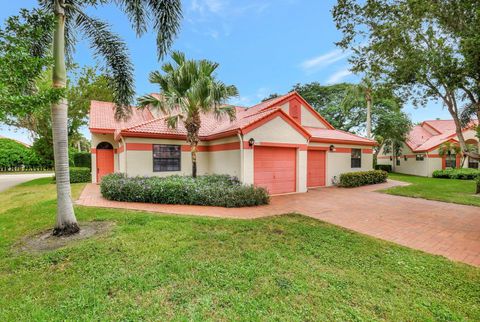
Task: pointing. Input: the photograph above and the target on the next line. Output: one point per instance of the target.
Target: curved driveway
(9, 180)
(436, 227)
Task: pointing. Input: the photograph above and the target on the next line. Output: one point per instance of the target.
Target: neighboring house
(282, 144)
(420, 153)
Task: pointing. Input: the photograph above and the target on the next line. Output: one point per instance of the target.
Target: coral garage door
(315, 168)
(275, 168)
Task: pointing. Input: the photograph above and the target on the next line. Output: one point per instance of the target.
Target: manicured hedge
(362, 178)
(79, 175)
(82, 159)
(477, 181)
(211, 190)
(384, 167)
(462, 174)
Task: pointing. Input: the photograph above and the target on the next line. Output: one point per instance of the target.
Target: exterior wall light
(332, 148)
(251, 142)
(391, 158)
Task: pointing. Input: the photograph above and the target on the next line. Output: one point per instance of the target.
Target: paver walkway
(436, 227)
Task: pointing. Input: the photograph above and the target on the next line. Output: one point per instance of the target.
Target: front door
(104, 161)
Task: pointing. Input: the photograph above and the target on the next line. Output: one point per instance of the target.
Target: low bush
(462, 174)
(477, 181)
(82, 159)
(209, 190)
(79, 175)
(384, 167)
(362, 178)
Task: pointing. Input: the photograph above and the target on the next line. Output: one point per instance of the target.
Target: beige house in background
(420, 153)
(281, 144)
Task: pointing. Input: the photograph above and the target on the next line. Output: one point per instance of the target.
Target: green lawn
(159, 267)
(448, 190)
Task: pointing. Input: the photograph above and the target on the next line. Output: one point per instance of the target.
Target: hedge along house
(281, 144)
(420, 153)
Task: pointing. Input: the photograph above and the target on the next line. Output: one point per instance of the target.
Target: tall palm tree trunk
(66, 223)
(368, 97)
(192, 124)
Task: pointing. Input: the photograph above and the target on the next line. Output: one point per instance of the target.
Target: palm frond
(172, 120)
(136, 13)
(113, 50)
(167, 15)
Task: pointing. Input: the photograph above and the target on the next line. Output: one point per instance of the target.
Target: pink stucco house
(420, 153)
(282, 144)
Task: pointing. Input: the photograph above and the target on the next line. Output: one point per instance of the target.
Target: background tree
(23, 60)
(391, 130)
(423, 49)
(188, 88)
(329, 101)
(359, 95)
(70, 20)
(85, 85)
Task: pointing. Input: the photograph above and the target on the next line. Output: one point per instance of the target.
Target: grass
(161, 267)
(448, 190)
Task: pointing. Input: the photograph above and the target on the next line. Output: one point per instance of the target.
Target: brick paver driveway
(436, 227)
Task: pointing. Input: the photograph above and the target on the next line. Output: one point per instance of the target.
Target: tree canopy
(23, 61)
(423, 49)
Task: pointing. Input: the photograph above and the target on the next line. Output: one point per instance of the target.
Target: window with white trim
(419, 157)
(166, 157)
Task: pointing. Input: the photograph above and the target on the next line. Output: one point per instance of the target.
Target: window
(405, 158)
(356, 158)
(398, 161)
(419, 157)
(451, 161)
(166, 157)
(472, 163)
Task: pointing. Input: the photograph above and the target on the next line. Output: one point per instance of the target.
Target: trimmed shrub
(209, 190)
(461, 174)
(384, 167)
(79, 175)
(362, 178)
(477, 181)
(82, 159)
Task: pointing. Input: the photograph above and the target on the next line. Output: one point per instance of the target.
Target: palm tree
(449, 149)
(360, 94)
(71, 19)
(188, 89)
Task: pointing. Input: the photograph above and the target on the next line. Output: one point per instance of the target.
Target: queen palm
(72, 20)
(188, 89)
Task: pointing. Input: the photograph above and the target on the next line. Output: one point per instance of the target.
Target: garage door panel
(316, 168)
(275, 169)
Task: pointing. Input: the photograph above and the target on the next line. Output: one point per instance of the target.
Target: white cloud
(203, 6)
(338, 76)
(316, 63)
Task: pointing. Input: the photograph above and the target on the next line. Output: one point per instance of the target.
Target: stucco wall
(140, 163)
(276, 130)
(308, 119)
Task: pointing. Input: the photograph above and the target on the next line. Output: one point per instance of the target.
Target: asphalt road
(9, 180)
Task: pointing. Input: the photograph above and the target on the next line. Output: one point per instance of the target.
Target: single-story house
(281, 144)
(420, 153)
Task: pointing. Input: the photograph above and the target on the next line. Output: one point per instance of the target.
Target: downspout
(242, 158)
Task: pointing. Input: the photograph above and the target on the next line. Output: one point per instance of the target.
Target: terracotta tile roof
(144, 123)
(421, 138)
(337, 135)
(102, 116)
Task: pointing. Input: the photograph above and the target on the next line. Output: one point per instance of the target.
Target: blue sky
(263, 46)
